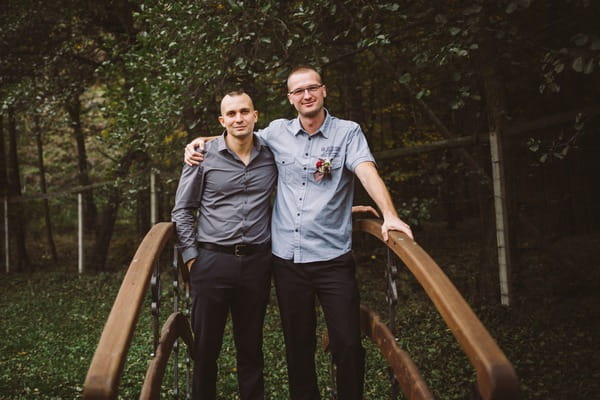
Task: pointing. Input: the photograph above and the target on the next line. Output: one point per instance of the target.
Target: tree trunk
(17, 218)
(40, 151)
(143, 212)
(352, 102)
(90, 211)
(99, 254)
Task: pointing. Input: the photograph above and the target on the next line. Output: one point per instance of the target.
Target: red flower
(323, 169)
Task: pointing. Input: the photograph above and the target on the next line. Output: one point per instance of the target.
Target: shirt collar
(324, 129)
(221, 145)
(257, 143)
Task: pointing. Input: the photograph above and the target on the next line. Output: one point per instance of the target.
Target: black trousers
(221, 283)
(334, 283)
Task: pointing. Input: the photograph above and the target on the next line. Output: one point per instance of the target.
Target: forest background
(96, 95)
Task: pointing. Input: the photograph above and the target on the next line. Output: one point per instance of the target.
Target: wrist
(189, 263)
(389, 214)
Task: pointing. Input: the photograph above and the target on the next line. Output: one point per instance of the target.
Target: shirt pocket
(336, 164)
(285, 167)
(336, 168)
(335, 173)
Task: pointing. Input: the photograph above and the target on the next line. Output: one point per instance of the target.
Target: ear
(222, 121)
(324, 91)
(255, 116)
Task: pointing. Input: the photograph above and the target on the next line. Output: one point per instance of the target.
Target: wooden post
(500, 211)
(497, 109)
(153, 213)
(6, 241)
(80, 231)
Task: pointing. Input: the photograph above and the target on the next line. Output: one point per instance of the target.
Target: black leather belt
(236, 249)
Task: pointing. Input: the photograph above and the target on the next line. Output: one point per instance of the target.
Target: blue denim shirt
(312, 221)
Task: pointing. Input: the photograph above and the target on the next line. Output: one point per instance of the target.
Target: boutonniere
(323, 169)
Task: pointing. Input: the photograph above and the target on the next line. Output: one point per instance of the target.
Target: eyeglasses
(311, 89)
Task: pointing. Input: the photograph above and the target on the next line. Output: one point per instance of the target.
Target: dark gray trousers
(223, 283)
(334, 283)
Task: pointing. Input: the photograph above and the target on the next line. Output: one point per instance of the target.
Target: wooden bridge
(496, 378)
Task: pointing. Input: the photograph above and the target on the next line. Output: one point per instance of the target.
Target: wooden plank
(406, 372)
(496, 377)
(404, 369)
(175, 327)
(105, 370)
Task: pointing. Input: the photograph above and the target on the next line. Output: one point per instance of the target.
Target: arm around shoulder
(194, 151)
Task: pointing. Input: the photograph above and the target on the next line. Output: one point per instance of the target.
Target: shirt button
(305, 168)
(296, 230)
(306, 154)
(303, 183)
(298, 214)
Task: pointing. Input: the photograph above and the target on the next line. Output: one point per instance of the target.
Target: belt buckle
(237, 248)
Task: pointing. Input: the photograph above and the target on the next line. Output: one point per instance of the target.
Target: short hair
(304, 68)
(236, 92)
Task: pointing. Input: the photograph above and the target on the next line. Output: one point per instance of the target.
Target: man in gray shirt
(227, 246)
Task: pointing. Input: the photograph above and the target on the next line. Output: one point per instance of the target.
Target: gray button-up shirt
(232, 199)
(312, 221)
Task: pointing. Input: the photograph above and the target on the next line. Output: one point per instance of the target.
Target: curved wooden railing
(105, 370)
(175, 327)
(496, 377)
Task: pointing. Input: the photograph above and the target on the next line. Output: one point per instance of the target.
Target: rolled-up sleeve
(357, 149)
(187, 202)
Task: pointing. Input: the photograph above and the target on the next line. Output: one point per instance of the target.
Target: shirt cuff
(189, 253)
(362, 160)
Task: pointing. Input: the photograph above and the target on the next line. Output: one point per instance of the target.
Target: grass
(51, 322)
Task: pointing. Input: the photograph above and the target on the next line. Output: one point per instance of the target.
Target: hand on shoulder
(194, 150)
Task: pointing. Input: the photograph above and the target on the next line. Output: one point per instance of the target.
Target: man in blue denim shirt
(317, 157)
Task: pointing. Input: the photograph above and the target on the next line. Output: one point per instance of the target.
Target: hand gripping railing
(496, 378)
(105, 370)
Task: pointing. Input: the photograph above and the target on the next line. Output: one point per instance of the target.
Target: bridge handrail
(105, 370)
(496, 377)
(175, 327)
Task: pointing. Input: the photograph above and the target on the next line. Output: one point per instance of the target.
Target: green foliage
(54, 321)
(149, 73)
(557, 148)
(50, 324)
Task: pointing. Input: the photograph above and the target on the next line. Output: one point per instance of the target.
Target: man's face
(306, 93)
(238, 115)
